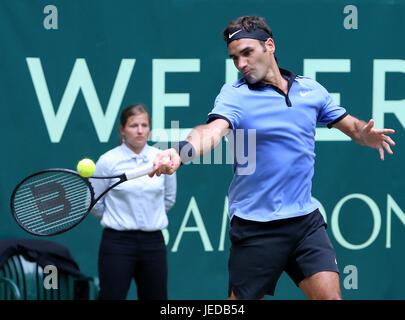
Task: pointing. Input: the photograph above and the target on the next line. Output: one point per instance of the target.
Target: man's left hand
(377, 138)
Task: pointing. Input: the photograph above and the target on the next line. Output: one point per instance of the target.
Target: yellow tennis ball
(86, 167)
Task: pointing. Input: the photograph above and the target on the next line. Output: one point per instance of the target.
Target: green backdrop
(66, 71)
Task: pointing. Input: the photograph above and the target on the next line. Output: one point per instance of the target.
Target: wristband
(185, 150)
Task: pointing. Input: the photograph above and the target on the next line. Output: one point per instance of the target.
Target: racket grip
(139, 172)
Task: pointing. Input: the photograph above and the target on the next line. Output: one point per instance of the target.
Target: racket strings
(51, 201)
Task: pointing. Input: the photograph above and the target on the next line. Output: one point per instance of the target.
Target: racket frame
(93, 201)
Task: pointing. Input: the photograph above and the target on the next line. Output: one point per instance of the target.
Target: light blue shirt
(280, 185)
(138, 204)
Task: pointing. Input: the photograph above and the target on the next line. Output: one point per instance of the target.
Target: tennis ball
(86, 167)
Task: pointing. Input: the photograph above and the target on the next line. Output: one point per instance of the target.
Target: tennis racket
(53, 201)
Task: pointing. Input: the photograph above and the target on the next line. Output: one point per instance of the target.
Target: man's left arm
(365, 134)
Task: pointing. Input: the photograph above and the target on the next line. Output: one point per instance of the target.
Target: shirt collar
(256, 86)
(143, 155)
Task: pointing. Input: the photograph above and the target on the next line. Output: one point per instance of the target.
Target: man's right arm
(206, 137)
(202, 138)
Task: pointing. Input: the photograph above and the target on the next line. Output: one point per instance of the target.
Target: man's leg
(232, 297)
(320, 286)
(323, 285)
(257, 257)
(312, 265)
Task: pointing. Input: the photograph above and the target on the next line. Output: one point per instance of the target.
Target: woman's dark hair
(246, 23)
(132, 110)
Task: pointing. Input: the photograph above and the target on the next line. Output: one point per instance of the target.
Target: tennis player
(275, 225)
(133, 215)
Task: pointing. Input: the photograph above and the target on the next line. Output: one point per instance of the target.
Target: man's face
(251, 58)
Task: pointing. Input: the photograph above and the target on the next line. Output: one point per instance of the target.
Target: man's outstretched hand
(377, 138)
(166, 162)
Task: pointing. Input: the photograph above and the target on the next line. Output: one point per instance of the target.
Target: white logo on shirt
(304, 93)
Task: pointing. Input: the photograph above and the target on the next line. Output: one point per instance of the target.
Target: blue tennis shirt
(276, 180)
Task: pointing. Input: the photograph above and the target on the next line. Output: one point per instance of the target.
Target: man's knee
(232, 296)
(333, 295)
(322, 286)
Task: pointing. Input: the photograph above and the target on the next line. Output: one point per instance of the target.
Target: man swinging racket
(275, 225)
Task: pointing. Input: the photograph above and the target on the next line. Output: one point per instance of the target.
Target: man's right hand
(166, 162)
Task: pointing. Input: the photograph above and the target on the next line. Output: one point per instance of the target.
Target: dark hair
(246, 23)
(132, 110)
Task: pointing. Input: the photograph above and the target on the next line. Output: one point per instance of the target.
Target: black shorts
(261, 251)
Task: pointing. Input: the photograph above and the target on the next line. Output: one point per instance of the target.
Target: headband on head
(258, 34)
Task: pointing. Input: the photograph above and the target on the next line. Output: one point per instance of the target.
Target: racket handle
(139, 172)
